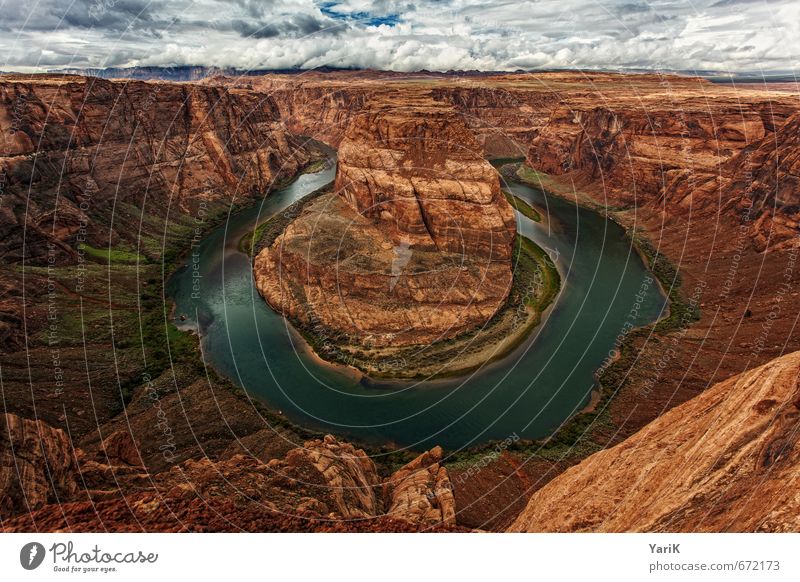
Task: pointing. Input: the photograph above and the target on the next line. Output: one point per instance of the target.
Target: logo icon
(31, 555)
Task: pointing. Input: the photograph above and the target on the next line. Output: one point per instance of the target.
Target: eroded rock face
(410, 163)
(727, 460)
(87, 147)
(314, 487)
(769, 175)
(348, 474)
(120, 448)
(420, 492)
(333, 269)
(37, 465)
(414, 246)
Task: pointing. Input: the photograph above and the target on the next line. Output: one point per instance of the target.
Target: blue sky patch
(366, 18)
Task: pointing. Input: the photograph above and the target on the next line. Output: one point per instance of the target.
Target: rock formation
(86, 148)
(687, 157)
(134, 167)
(416, 244)
(768, 172)
(727, 460)
(46, 485)
(410, 163)
(421, 491)
(37, 465)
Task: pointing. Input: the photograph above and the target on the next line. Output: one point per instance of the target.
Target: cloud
(298, 25)
(251, 29)
(738, 35)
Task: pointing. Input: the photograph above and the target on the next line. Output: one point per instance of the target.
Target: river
(528, 394)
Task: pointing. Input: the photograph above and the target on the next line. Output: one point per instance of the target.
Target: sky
(723, 35)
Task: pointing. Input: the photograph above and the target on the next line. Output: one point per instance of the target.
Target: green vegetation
(523, 207)
(248, 241)
(545, 182)
(145, 339)
(610, 379)
(500, 162)
(530, 176)
(111, 255)
(315, 167)
(531, 258)
(265, 233)
(681, 313)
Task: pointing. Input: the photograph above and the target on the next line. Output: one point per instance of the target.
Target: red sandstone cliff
(411, 163)
(727, 460)
(125, 160)
(658, 143)
(134, 167)
(323, 485)
(414, 246)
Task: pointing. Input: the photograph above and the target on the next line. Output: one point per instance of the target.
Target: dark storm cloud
(300, 25)
(633, 8)
(255, 29)
(114, 15)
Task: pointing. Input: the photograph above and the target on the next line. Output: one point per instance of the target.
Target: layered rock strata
(94, 172)
(312, 487)
(37, 465)
(661, 158)
(727, 460)
(414, 246)
(89, 156)
(421, 491)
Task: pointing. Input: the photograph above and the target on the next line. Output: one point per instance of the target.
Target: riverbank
(535, 285)
(678, 314)
(309, 391)
(523, 207)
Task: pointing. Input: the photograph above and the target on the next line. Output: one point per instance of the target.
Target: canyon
(707, 173)
(132, 171)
